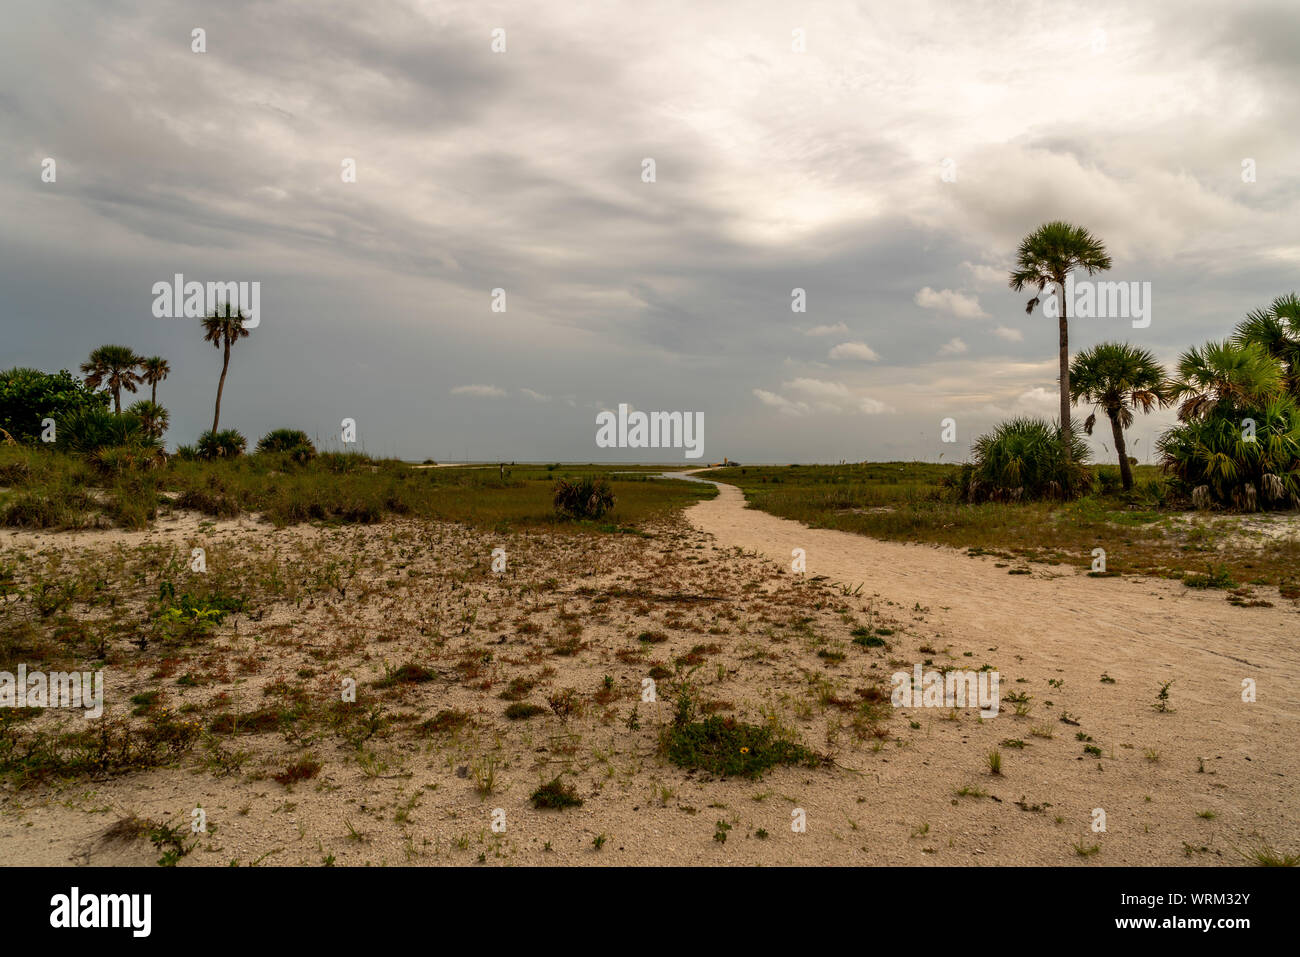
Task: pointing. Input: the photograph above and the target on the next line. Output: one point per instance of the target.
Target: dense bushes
(291, 442)
(1239, 440)
(225, 444)
(1218, 452)
(90, 429)
(27, 396)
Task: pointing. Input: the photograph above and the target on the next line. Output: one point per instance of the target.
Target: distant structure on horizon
(723, 464)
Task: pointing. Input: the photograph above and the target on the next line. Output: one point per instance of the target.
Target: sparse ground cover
(1142, 532)
(518, 699)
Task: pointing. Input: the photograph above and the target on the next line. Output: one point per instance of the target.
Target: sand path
(1110, 623)
(1060, 622)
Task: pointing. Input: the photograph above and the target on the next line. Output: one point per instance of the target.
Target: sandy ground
(1063, 624)
(1205, 782)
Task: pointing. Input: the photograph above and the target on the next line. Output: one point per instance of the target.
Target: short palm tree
(1225, 376)
(153, 417)
(115, 368)
(223, 328)
(1045, 257)
(1277, 330)
(152, 371)
(1118, 378)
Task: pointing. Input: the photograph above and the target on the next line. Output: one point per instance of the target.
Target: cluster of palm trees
(118, 369)
(1238, 400)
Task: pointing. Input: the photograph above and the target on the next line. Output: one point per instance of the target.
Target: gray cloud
(775, 170)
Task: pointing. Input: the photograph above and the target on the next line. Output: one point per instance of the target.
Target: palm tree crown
(153, 417)
(1118, 378)
(1277, 330)
(152, 371)
(1225, 374)
(115, 368)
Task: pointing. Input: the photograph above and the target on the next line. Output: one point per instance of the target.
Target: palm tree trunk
(1125, 470)
(153, 396)
(225, 364)
(1064, 323)
(117, 400)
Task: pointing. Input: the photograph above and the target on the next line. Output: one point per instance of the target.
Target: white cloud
(839, 329)
(831, 397)
(986, 275)
(953, 347)
(1039, 398)
(480, 391)
(870, 406)
(818, 388)
(786, 406)
(854, 350)
(947, 300)
(535, 396)
(1009, 334)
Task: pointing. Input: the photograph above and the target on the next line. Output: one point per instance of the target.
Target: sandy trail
(1057, 613)
(1060, 622)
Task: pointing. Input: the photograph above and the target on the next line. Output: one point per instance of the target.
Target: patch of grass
(867, 638)
(555, 794)
(994, 761)
(303, 769)
(404, 675)
(444, 722)
(1216, 576)
(523, 710)
(727, 747)
(1265, 856)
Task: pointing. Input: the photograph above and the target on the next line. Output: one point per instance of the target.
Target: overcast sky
(889, 170)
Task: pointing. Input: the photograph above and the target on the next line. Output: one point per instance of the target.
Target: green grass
(556, 794)
(1142, 531)
(48, 489)
(727, 747)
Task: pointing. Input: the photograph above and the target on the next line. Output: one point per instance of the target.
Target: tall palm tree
(1118, 378)
(1225, 376)
(222, 328)
(1277, 329)
(114, 367)
(153, 370)
(1046, 256)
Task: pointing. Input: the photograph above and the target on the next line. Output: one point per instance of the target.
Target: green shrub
(134, 502)
(1217, 452)
(226, 444)
(54, 506)
(588, 497)
(27, 396)
(89, 429)
(523, 710)
(725, 746)
(291, 442)
(1024, 459)
(138, 456)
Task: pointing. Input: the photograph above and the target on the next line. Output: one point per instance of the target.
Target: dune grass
(48, 489)
(1141, 532)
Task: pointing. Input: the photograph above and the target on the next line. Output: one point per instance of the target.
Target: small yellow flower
(744, 750)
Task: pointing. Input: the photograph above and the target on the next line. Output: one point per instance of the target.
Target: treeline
(1237, 442)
